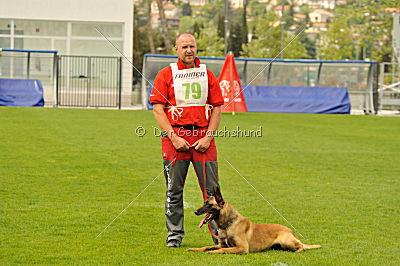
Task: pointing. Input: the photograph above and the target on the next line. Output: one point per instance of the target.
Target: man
(187, 101)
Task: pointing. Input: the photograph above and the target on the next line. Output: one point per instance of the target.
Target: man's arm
(203, 143)
(179, 143)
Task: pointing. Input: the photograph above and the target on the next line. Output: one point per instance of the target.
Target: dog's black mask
(212, 213)
(208, 208)
(211, 207)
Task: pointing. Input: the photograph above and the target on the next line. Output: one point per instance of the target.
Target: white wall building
(320, 16)
(326, 4)
(197, 2)
(235, 4)
(69, 26)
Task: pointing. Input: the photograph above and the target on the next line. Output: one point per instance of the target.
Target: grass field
(66, 173)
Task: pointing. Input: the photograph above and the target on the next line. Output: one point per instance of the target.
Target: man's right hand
(179, 143)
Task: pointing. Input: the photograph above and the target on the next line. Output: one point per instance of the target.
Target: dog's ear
(218, 196)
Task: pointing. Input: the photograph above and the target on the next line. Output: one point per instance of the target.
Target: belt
(189, 127)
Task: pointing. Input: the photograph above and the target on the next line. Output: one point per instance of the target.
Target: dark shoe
(173, 244)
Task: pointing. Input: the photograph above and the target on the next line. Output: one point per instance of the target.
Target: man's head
(186, 49)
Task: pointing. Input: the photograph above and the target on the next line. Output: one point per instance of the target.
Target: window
(89, 30)
(41, 28)
(5, 26)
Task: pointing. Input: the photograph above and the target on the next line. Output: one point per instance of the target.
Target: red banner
(231, 87)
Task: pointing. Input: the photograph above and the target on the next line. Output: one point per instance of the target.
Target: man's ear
(217, 195)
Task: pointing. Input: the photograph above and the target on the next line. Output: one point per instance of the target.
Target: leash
(204, 190)
(205, 196)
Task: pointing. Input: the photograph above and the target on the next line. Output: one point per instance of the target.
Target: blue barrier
(21, 92)
(149, 105)
(271, 60)
(277, 99)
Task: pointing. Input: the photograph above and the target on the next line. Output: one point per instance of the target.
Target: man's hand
(179, 143)
(202, 144)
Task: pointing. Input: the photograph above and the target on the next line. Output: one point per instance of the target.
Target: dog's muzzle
(205, 220)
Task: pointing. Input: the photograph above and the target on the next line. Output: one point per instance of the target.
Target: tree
(370, 26)
(197, 27)
(245, 31)
(186, 25)
(236, 39)
(309, 45)
(149, 28)
(268, 45)
(254, 33)
(212, 10)
(337, 42)
(186, 10)
(164, 26)
(208, 41)
(221, 26)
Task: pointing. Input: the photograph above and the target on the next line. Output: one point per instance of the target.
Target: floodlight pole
(282, 28)
(226, 23)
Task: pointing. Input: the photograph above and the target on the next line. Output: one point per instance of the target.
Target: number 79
(192, 88)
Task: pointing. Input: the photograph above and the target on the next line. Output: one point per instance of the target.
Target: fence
(96, 81)
(31, 64)
(74, 81)
(359, 77)
(389, 91)
(89, 81)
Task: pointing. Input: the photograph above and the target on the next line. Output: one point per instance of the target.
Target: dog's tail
(305, 246)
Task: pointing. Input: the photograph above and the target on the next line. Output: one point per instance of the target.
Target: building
(235, 4)
(299, 17)
(278, 10)
(72, 27)
(171, 15)
(320, 16)
(196, 2)
(324, 4)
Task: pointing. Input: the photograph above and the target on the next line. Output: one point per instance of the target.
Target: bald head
(184, 36)
(186, 49)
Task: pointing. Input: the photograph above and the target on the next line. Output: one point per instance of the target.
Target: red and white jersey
(186, 93)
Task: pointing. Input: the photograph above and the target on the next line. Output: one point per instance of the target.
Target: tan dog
(239, 235)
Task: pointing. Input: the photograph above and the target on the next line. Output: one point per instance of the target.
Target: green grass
(66, 173)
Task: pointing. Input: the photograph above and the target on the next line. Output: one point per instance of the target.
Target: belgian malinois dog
(239, 235)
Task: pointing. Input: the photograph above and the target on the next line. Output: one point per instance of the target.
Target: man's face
(186, 49)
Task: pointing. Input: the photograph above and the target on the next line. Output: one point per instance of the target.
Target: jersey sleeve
(159, 91)
(215, 95)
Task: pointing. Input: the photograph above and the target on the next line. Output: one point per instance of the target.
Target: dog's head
(212, 207)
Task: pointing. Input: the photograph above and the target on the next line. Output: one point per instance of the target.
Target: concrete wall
(101, 11)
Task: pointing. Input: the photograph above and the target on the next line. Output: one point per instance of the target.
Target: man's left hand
(202, 144)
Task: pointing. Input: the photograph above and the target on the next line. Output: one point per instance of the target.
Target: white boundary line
(262, 196)
(113, 220)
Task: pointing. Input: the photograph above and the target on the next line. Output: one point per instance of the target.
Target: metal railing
(389, 87)
(89, 81)
(31, 64)
(359, 77)
(71, 81)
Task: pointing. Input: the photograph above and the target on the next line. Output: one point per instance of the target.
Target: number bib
(190, 85)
